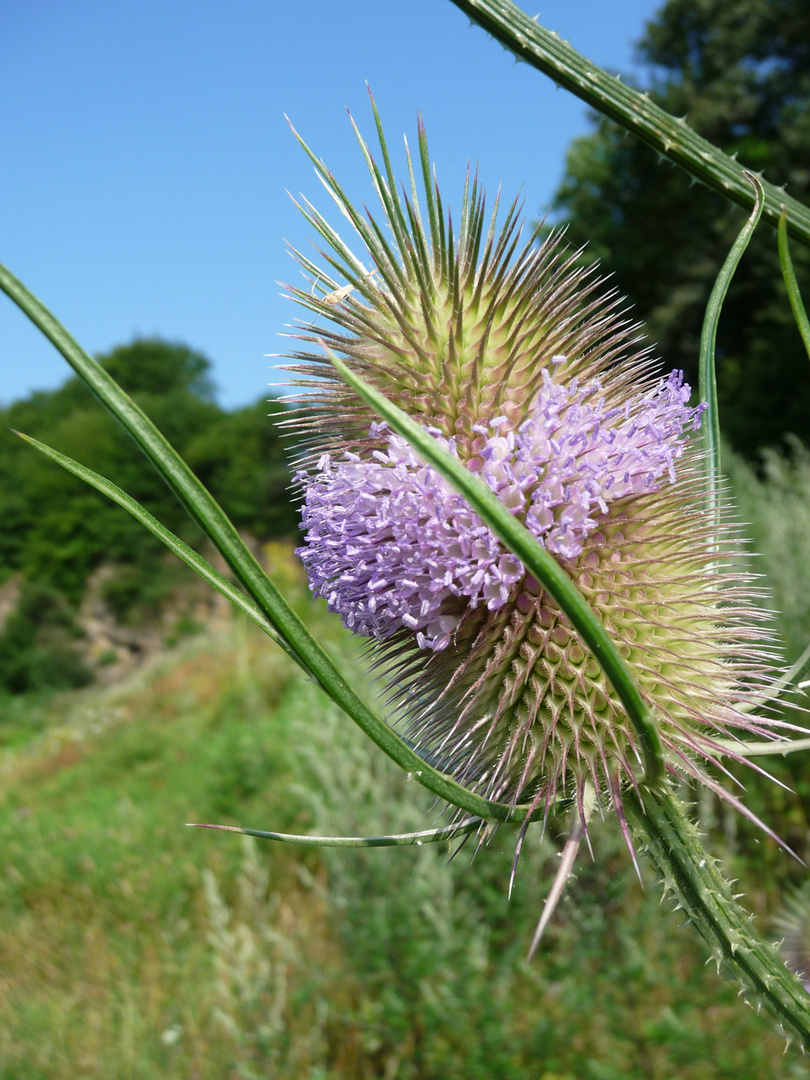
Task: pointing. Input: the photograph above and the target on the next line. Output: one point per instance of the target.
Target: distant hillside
(135, 948)
(56, 533)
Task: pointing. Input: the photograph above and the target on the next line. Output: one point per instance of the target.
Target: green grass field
(132, 947)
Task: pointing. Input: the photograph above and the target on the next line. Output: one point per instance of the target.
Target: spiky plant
(514, 360)
(517, 359)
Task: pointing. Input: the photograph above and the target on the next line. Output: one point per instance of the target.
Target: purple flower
(520, 364)
(392, 547)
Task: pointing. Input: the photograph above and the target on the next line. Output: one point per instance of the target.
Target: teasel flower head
(521, 364)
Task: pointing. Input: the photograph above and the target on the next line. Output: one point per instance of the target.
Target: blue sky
(146, 159)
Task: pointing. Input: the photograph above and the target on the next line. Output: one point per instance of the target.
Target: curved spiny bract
(455, 335)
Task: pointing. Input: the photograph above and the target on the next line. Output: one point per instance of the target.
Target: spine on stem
(693, 877)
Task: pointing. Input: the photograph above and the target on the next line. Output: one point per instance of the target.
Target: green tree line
(55, 530)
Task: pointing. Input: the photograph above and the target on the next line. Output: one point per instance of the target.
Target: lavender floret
(391, 545)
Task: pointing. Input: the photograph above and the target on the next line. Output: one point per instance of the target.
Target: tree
(56, 529)
(152, 366)
(740, 71)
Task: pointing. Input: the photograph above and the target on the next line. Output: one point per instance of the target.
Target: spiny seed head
(522, 366)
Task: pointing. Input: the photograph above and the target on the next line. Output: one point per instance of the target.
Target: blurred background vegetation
(131, 948)
(56, 531)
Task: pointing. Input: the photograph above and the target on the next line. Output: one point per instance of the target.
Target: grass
(775, 502)
(131, 947)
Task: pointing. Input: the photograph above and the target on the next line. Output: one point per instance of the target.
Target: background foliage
(133, 948)
(55, 530)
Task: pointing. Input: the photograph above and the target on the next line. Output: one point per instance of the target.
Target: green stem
(670, 136)
(692, 875)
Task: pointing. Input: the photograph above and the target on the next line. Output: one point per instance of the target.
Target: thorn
(567, 857)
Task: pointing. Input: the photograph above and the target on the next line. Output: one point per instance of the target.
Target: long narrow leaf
(429, 836)
(533, 556)
(189, 556)
(707, 381)
(221, 531)
(792, 285)
(669, 135)
(780, 748)
(791, 678)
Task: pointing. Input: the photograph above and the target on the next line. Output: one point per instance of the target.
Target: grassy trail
(131, 947)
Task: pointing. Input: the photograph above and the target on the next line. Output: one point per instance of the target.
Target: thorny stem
(693, 877)
(671, 136)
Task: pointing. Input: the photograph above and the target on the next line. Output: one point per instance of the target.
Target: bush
(56, 530)
(35, 645)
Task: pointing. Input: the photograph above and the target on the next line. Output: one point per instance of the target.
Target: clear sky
(145, 158)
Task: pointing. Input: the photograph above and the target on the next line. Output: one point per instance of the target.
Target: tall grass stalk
(772, 497)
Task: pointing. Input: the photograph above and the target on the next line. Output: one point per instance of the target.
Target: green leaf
(789, 274)
(533, 556)
(429, 836)
(791, 678)
(779, 748)
(710, 429)
(189, 556)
